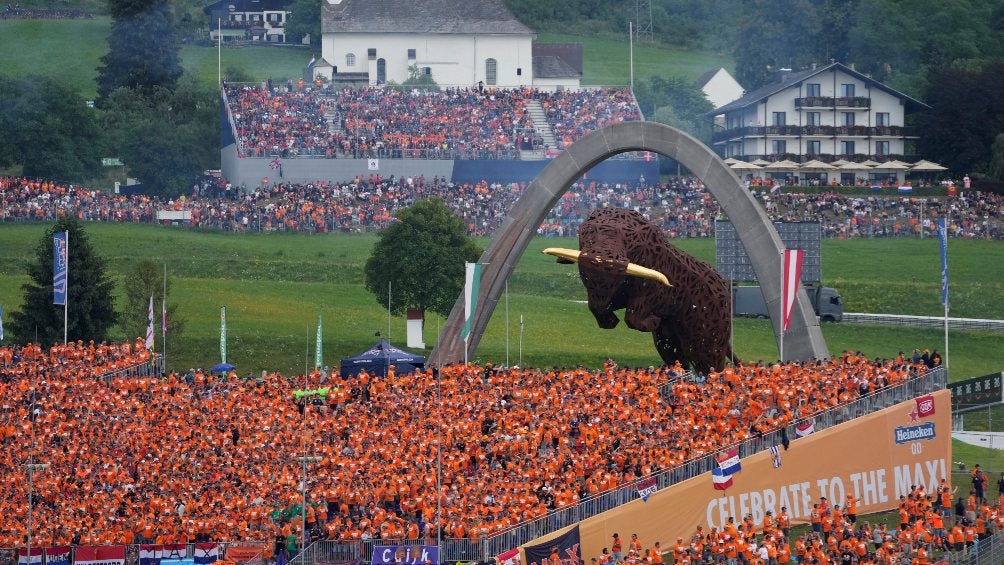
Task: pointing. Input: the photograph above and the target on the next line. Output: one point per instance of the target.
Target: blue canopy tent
(377, 358)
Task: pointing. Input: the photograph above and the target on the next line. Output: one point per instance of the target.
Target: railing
(814, 130)
(9, 555)
(924, 321)
(485, 549)
(152, 368)
(989, 551)
(827, 157)
(831, 102)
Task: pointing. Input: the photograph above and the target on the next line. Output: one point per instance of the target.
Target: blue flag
(60, 266)
(943, 237)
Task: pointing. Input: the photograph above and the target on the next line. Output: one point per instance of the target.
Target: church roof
(420, 16)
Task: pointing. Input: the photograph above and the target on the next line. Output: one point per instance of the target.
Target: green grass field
(274, 284)
(42, 46)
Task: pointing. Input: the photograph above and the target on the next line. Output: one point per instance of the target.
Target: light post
(304, 459)
(32, 469)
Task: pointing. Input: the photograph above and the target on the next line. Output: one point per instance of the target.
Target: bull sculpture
(626, 263)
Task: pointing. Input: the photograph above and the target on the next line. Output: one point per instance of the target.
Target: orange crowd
(197, 457)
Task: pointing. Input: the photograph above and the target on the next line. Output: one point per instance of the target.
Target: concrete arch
(803, 340)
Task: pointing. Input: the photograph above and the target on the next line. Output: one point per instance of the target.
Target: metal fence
(152, 368)
(989, 551)
(8, 556)
(924, 321)
(485, 549)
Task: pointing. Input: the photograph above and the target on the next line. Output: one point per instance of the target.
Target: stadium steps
(334, 119)
(536, 111)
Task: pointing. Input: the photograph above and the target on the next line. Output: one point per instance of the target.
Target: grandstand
(304, 134)
(195, 457)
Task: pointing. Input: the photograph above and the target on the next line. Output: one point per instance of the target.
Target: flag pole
(389, 288)
(507, 323)
(163, 320)
(780, 341)
(66, 298)
(948, 221)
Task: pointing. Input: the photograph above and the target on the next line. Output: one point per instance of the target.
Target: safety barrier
(989, 551)
(251, 553)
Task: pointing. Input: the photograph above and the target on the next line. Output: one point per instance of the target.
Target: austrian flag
(728, 460)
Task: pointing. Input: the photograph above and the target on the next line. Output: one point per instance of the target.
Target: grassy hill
(274, 284)
(72, 49)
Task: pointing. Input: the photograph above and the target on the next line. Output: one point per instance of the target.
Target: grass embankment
(274, 284)
(42, 45)
(41, 48)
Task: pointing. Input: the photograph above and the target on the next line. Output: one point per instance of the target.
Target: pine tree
(90, 308)
(142, 48)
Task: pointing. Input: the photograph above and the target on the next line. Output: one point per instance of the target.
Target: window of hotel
(847, 90)
(882, 118)
(491, 72)
(812, 119)
(813, 147)
(882, 148)
(812, 89)
(847, 118)
(778, 119)
(350, 60)
(847, 148)
(779, 146)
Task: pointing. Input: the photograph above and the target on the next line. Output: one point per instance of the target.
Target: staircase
(536, 111)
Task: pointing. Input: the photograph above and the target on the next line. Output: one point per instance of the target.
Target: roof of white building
(420, 16)
(791, 79)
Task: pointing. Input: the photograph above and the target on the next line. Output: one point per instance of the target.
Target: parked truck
(747, 301)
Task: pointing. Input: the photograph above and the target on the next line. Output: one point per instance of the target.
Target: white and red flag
(789, 288)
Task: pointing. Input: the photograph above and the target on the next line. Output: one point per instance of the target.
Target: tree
(304, 19)
(423, 256)
(966, 115)
(90, 305)
(166, 138)
(146, 279)
(142, 48)
(48, 130)
(418, 79)
(996, 168)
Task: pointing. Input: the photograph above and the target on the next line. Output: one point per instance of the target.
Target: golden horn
(632, 268)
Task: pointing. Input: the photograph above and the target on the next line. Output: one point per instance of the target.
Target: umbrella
(760, 162)
(869, 163)
(784, 165)
(900, 165)
(923, 165)
(731, 161)
(840, 162)
(818, 165)
(852, 166)
(222, 368)
(743, 165)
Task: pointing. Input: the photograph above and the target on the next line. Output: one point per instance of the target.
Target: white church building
(457, 42)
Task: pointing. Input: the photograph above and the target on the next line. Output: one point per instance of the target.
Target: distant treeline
(895, 41)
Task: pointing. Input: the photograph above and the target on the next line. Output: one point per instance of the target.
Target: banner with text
(566, 547)
(906, 444)
(407, 554)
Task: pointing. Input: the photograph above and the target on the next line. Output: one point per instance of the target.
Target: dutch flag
(721, 479)
(728, 461)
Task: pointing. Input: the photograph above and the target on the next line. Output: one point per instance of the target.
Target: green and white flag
(223, 334)
(472, 283)
(318, 348)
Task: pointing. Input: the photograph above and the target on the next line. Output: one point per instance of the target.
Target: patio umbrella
(839, 162)
(760, 162)
(784, 165)
(895, 165)
(743, 165)
(731, 161)
(927, 166)
(869, 163)
(817, 165)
